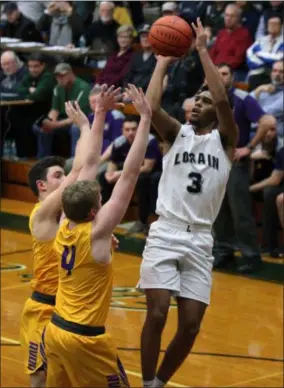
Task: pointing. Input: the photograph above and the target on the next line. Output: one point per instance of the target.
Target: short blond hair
(125, 28)
(79, 199)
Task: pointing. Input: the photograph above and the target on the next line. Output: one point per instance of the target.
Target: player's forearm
(212, 76)
(155, 89)
(96, 138)
(137, 151)
(64, 123)
(81, 148)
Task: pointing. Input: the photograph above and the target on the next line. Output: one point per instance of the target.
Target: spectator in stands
(19, 26)
(112, 130)
(249, 15)
(191, 10)
(275, 8)
(169, 8)
(143, 63)
(187, 106)
(214, 16)
(271, 98)
(101, 35)
(85, 10)
(273, 188)
(61, 25)
(183, 80)
(69, 88)
(152, 164)
(32, 9)
(264, 52)
(13, 71)
(235, 219)
(232, 42)
(37, 86)
(263, 159)
(118, 64)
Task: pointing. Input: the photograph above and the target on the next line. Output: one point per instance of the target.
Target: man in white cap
(169, 8)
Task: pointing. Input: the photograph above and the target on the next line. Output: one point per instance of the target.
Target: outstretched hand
(108, 99)
(201, 37)
(139, 100)
(75, 114)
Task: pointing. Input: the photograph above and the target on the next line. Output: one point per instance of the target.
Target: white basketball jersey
(195, 174)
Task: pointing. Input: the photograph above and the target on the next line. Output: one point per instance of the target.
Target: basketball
(171, 36)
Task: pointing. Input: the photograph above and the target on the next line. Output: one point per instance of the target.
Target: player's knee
(38, 379)
(157, 318)
(189, 328)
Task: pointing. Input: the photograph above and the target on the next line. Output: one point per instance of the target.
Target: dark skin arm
(227, 125)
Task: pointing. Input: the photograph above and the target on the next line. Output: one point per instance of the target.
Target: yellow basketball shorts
(75, 360)
(34, 319)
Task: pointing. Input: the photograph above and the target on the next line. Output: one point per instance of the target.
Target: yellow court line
(10, 340)
(256, 379)
(11, 359)
(136, 374)
(15, 286)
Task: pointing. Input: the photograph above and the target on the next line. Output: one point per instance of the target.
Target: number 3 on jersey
(68, 258)
(197, 182)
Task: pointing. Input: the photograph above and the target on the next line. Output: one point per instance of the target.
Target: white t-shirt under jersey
(195, 174)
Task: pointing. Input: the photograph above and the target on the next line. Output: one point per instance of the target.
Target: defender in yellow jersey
(78, 350)
(47, 180)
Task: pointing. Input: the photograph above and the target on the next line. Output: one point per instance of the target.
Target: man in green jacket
(69, 88)
(37, 85)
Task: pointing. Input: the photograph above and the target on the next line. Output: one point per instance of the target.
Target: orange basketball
(170, 36)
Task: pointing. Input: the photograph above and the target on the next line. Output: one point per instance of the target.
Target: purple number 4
(65, 263)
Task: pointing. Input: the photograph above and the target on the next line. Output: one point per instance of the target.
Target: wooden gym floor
(240, 343)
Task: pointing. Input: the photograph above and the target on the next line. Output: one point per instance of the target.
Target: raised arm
(166, 126)
(106, 100)
(227, 125)
(52, 204)
(113, 211)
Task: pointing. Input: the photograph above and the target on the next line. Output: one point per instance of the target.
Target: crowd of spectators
(245, 40)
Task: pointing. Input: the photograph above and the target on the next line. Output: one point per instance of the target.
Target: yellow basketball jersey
(85, 286)
(45, 263)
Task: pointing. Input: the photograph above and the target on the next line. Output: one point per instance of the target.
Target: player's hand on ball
(166, 61)
(75, 114)
(201, 37)
(139, 100)
(108, 99)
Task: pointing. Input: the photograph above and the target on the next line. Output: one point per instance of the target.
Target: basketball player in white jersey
(177, 260)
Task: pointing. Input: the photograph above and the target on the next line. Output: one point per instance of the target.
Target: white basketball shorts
(178, 257)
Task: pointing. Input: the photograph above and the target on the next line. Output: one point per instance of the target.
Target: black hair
(37, 57)
(132, 118)
(39, 170)
(224, 64)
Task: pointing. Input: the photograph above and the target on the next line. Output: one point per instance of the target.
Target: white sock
(158, 383)
(148, 384)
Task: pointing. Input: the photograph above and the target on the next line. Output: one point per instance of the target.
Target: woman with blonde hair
(118, 64)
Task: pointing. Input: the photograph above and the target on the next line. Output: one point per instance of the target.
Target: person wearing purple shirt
(273, 188)
(235, 223)
(146, 188)
(112, 130)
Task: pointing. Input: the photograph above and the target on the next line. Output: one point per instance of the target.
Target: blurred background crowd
(53, 52)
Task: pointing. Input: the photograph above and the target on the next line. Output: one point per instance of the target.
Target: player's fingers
(110, 90)
(194, 27)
